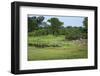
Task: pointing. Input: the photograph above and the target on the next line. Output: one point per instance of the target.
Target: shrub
(40, 32)
(73, 34)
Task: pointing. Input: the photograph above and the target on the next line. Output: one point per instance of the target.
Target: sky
(68, 20)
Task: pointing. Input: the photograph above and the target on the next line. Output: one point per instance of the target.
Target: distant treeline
(37, 27)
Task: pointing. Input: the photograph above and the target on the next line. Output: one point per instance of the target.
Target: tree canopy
(54, 26)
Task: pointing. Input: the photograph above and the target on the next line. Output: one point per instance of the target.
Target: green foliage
(40, 32)
(85, 22)
(38, 27)
(85, 27)
(34, 23)
(45, 41)
(40, 19)
(55, 25)
(73, 34)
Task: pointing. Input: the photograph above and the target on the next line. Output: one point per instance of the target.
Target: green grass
(55, 47)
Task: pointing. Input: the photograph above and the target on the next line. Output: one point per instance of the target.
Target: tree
(34, 23)
(73, 33)
(55, 25)
(85, 27)
(85, 24)
(40, 20)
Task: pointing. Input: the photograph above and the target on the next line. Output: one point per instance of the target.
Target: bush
(73, 34)
(40, 32)
(84, 35)
(30, 33)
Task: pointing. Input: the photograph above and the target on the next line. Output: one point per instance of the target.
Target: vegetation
(51, 40)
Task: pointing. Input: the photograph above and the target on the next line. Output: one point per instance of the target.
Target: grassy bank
(55, 47)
